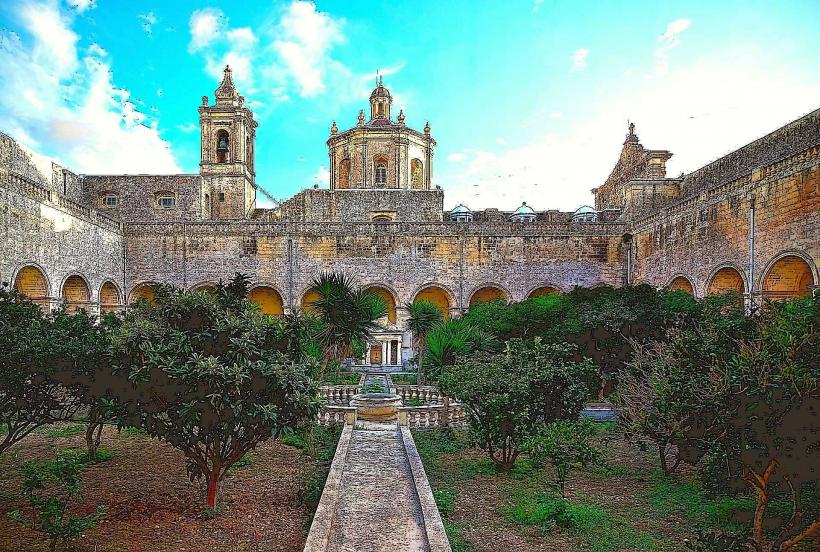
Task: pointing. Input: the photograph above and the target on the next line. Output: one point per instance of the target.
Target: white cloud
(537, 5)
(321, 177)
(668, 40)
(205, 27)
(501, 141)
(457, 157)
(307, 37)
(579, 59)
(694, 111)
(82, 5)
(148, 20)
(73, 110)
(188, 127)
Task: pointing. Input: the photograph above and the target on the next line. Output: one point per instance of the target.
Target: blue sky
(528, 100)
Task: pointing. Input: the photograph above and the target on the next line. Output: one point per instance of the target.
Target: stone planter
(376, 407)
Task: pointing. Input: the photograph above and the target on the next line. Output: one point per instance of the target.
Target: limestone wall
(710, 229)
(362, 205)
(138, 195)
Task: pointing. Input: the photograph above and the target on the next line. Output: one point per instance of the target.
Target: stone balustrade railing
(433, 416)
(332, 415)
(338, 394)
(423, 393)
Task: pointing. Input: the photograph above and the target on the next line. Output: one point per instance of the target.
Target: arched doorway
(206, 287)
(144, 291)
(310, 297)
(681, 283)
(436, 295)
(543, 292)
(76, 293)
(109, 298)
(31, 282)
(725, 280)
(269, 300)
(389, 301)
(789, 276)
(487, 294)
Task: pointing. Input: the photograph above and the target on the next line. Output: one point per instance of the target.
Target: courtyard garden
(194, 422)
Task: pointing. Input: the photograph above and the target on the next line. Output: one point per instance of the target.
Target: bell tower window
(381, 171)
(223, 149)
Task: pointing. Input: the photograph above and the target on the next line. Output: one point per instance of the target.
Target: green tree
(348, 314)
(423, 317)
(508, 395)
(210, 375)
(50, 486)
(564, 445)
(456, 338)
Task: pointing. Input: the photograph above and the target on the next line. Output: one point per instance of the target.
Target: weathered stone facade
(386, 227)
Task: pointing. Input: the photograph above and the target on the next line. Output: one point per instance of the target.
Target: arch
(109, 297)
(789, 275)
(389, 301)
(143, 291)
(681, 283)
(32, 282)
(343, 182)
(310, 297)
(436, 295)
(76, 293)
(223, 146)
(724, 279)
(380, 170)
(269, 300)
(488, 293)
(416, 174)
(543, 291)
(204, 286)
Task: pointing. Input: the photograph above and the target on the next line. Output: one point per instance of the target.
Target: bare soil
(152, 506)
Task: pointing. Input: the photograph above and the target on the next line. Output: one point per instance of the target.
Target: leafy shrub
(50, 486)
(564, 445)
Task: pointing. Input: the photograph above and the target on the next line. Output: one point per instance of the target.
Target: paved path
(378, 508)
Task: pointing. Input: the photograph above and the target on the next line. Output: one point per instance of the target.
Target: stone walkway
(378, 508)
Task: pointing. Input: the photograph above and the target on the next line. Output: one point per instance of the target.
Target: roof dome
(584, 209)
(380, 91)
(524, 210)
(460, 208)
(585, 213)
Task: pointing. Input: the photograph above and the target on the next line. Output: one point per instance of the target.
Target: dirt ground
(152, 506)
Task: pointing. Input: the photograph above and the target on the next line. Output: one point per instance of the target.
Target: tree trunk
(213, 482)
(93, 433)
(419, 372)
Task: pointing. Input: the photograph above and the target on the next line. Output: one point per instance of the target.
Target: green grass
(445, 500)
(453, 531)
(342, 378)
(413, 402)
(590, 523)
(69, 430)
(133, 432)
(432, 444)
(404, 379)
(243, 462)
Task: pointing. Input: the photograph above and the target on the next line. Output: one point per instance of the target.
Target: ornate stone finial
(361, 116)
(333, 128)
(226, 89)
(427, 128)
(205, 101)
(401, 116)
(241, 100)
(631, 137)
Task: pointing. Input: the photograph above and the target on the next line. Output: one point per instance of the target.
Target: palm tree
(424, 316)
(348, 313)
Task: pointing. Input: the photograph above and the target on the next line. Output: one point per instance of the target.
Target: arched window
(223, 147)
(790, 276)
(76, 293)
(144, 291)
(382, 218)
(416, 175)
(389, 302)
(309, 299)
(437, 296)
(343, 182)
(31, 282)
(487, 294)
(268, 299)
(726, 279)
(381, 171)
(543, 292)
(109, 298)
(681, 283)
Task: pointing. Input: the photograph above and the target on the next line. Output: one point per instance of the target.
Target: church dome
(380, 92)
(461, 213)
(585, 213)
(525, 213)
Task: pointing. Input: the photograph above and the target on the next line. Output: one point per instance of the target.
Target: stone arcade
(749, 221)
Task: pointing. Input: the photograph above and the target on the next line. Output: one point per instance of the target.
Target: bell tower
(227, 143)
